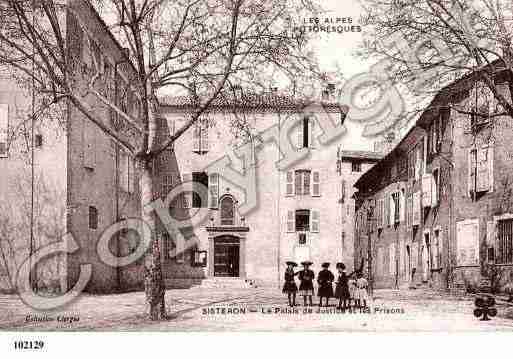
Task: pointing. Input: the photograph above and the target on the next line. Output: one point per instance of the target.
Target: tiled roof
(362, 155)
(251, 102)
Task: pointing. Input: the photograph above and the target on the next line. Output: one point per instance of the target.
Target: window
(38, 141)
(342, 191)
(302, 182)
(396, 201)
(303, 220)
(435, 187)
(126, 173)
(167, 244)
(167, 185)
(93, 218)
(391, 261)
(4, 129)
(411, 164)
(356, 166)
(198, 179)
(227, 211)
(302, 239)
(199, 258)
(437, 249)
(213, 190)
(480, 173)
(305, 132)
(504, 250)
(482, 103)
(200, 142)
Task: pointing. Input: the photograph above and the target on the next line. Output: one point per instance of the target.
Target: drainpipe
(278, 255)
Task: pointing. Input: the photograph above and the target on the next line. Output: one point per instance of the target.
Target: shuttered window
(316, 184)
(200, 137)
(213, 190)
(315, 221)
(289, 187)
(291, 226)
(480, 172)
(504, 250)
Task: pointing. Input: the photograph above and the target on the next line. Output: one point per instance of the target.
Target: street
(265, 309)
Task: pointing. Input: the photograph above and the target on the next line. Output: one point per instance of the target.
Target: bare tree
(189, 46)
(424, 45)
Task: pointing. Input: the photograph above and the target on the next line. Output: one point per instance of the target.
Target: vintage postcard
(256, 165)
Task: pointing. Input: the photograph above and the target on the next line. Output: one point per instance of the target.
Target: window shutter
(391, 209)
(298, 182)
(434, 188)
(289, 190)
(343, 191)
(426, 190)
(187, 196)
(471, 171)
(311, 125)
(300, 134)
(131, 175)
(4, 129)
(402, 206)
(205, 146)
(392, 258)
(416, 209)
(213, 190)
(196, 132)
(490, 233)
(316, 184)
(314, 221)
(291, 225)
(483, 170)
(89, 147)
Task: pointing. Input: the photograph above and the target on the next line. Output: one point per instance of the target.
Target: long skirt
(289, 287)
(342, 291)
(325, 290)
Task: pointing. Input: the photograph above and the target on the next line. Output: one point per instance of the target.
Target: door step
(227, 283)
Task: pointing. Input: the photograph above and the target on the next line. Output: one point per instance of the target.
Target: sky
(339, 48)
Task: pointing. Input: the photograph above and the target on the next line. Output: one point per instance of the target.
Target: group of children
(349, 287)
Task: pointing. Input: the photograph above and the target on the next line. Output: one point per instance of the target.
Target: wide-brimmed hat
(306, 263)
(341, 265)
(325, 264)
(291, 263)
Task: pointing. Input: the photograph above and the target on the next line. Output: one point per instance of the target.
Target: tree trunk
(153, 278)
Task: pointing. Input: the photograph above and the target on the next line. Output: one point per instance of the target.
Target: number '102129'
(29, 344)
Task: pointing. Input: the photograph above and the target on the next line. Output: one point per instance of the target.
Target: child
(352, 290)
(361, 284)
(325, 281)
(342, 288)
(306, 277)
(290, 286)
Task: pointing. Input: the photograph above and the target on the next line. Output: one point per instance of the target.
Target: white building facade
(294, 210)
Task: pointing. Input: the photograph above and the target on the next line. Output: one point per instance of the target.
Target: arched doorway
(226, 256)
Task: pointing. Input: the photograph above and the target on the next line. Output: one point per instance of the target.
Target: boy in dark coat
(342, 288)
(290, 286)
(325, 280)
(306, 277)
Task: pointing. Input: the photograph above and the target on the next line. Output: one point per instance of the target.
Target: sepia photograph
(207, 166)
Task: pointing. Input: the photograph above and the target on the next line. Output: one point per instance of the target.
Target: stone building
(297, 212)
(90, 181)
(436, 210)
